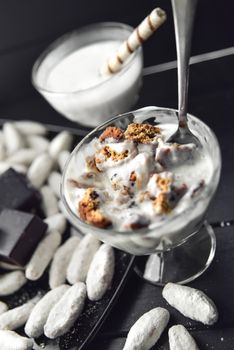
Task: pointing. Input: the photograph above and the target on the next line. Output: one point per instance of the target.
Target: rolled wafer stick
(147, 27)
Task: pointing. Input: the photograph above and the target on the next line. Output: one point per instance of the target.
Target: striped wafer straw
(147, 27)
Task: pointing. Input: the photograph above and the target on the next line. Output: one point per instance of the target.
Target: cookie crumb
(112, 132)
(142, 133)
(89, 209)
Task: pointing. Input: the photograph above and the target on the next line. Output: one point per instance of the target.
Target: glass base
(181, 264)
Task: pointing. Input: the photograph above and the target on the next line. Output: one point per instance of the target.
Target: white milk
(81, 69)
(76, 89)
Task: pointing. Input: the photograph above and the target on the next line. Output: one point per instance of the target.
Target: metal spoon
(183, 13)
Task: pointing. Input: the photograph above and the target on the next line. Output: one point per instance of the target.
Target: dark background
(28, 26)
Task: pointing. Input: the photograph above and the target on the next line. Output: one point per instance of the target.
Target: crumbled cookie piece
(89, 209)
(196, 190)
(76, 184)
(164, 183)
(133, 176)
(175, 154)
(109, 153)
(143, 196)
(91, 165)
(161, 204)
(142, 133)
(112, 132)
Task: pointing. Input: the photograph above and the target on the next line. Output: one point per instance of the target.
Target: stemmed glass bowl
(183, 244)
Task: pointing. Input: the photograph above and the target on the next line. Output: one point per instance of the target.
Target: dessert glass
(93, 105)
(183, 244)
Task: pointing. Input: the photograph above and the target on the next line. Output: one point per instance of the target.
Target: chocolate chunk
(19, 235)
(16, 192)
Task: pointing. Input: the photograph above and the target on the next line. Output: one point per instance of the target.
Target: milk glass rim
(67, 36)
(210, 189)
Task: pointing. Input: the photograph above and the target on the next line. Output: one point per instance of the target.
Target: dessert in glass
(134, 190)
(68, 76)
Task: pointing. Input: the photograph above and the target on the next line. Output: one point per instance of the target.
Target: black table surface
(211, 99)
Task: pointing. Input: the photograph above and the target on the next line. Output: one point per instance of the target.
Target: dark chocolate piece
(19, 235)
(16, 192)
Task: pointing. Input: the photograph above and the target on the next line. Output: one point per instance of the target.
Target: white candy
(42, 255)
(28, 127)
(58, 268)
(2, 146)
(61, 142)
(23, 156)
(34, 327)
(64, 314)
(54, 182)
(180, 339)
(81, 259)
(4, 166)
(17, 317)
(191, 303)
(39, 170)
(3, 307)
(147, 330)
(62, 158)
(57, 222)
(49, 203)
(38, 143)
(11, 282)
(12, 341)
(101, 272)
(13, 139)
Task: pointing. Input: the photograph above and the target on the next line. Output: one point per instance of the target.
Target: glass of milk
(68, 75)
(183, 244)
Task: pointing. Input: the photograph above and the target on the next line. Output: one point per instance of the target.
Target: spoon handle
(183, 13)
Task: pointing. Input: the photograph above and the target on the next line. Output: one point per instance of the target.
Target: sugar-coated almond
(49, 203)
(13, 139)
(191, 302)
(54, 182)
(62, 158)
(40, 169)
(180, 339)
(34, 327)
(5, 165)
(17, 317)
(2, 147)
(28, 127)
(81, 259)
(38, 143)
(11, 282)
(56, 222)
(23, 156)
(64, 314)
(42, 255)
(58, 268)
(61, 142)
(12, 341)
(3, 307)
(101, 272)
(147, 330)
